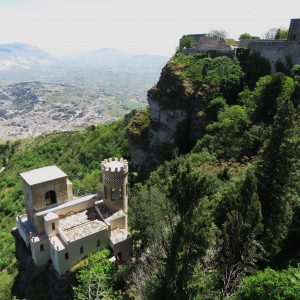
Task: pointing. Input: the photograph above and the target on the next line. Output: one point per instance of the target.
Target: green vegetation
(281, 34)
(221, 75)
(97, 280)
(221, 221)
(245, 36)
(253, 65)
(186, 42)
(248, 36)
(138, 123)
(271, 284)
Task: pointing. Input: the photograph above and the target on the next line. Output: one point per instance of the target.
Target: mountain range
(23, 56)
(19, 55)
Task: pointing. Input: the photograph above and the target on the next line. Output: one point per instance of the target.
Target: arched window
(50, 198)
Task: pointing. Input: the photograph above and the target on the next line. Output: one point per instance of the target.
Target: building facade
(62, 229)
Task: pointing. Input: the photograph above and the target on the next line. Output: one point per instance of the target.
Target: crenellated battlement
(114, 166)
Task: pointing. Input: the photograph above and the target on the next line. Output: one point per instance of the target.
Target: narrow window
(105, 192)
(81, 249)
(41, 247)
(53, 226)
(120, 193)
(127, 189)
(113, 194)
(98, 243)
(66, 255)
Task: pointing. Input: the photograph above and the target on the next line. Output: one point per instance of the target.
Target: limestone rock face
(176, 120)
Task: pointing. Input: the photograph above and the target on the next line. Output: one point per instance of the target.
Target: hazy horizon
(66, 27)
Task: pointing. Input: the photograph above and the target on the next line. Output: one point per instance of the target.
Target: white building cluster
(62, 229)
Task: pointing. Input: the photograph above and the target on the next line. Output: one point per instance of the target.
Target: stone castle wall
(272, 50)
(275, 51)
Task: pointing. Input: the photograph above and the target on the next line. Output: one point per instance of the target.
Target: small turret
(294, 30)
(115, 183)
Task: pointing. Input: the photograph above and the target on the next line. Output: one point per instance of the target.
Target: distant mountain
(110, 57)
(19, 55)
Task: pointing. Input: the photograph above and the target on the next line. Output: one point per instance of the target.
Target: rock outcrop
(176, 119)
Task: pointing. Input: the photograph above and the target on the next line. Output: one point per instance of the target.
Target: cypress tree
(240, 231)
(273, 173)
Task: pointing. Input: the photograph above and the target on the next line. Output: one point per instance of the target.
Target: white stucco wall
(89, 244)
(40, 257)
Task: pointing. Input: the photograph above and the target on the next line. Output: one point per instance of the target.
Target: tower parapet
(115, 183)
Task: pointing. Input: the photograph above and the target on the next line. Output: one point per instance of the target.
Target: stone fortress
(285, 51)
(62, 229)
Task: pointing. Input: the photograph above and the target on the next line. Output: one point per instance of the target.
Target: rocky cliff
(177, 115)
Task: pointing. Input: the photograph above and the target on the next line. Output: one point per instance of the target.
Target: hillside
(214, 200)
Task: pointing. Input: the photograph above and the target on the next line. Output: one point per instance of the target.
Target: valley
(31, 109)
(71, 93)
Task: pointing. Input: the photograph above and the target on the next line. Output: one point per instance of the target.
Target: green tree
(232, 122)
(295, 70)
(186, 42)
(214, 107)
(241, 248)
(268, 90)
(253, 65)
(192, 238)
(187, 186)
(271, 284)
(245, 36)
(97, 280)
(281, 34)
(274, 177)
(151, 217)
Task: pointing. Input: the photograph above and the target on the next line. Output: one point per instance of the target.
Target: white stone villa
(62, 229)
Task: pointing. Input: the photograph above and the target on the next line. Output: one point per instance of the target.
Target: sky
(64, 27)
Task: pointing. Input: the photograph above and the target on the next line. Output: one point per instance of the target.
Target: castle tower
(294, 30)
(44, 188)
(115, 183)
